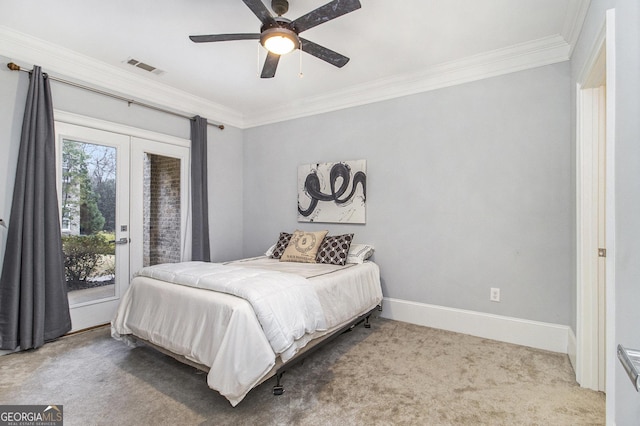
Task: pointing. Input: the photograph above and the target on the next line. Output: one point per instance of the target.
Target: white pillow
(358, 253)
(270, 250)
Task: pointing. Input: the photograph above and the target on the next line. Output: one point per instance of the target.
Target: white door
(93, 190)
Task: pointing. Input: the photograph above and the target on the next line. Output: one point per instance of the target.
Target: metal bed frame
(280, 368)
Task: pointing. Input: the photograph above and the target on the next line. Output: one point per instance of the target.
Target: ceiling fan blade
(223, 37)
(260, 10)
(325, 13)
(270, 65)
(321, 52)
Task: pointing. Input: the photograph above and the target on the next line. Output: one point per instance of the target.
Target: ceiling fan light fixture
(279, 40)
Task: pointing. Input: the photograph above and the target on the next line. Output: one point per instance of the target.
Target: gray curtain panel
(199, 190)
(33, 293)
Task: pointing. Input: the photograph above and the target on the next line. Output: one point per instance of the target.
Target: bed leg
(366, 322)
(278, 389)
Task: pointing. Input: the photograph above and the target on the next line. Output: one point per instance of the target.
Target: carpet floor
(391, 374)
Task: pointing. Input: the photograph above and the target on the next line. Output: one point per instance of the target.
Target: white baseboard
(535, 334)
(572, 346)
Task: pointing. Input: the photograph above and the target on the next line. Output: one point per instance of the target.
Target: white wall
(468, 188)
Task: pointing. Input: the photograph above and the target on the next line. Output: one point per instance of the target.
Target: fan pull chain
(258, 61)
(300, 75)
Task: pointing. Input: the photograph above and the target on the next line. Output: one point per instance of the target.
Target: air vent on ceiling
(149, 68)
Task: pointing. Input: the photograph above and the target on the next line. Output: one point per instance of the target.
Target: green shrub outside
(85, 254)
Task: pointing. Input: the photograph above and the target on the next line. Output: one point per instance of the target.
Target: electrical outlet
(495, 294)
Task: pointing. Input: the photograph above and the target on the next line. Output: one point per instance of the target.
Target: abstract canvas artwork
(332, 192)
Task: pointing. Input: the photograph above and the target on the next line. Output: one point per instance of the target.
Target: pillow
(334, 249)
(358, 253)
(269, 251)
(303, 247)
(280, 245)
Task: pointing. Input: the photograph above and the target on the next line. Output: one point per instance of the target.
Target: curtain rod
(15, 67)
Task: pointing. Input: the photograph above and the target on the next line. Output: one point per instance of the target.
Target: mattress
(221, 331)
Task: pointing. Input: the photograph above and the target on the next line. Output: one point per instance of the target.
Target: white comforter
(222, 332)
(286, 305)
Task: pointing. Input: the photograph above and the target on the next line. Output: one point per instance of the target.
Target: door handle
(123, 240)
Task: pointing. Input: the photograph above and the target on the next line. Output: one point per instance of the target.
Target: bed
(244, 321)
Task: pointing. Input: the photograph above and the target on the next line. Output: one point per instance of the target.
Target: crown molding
(574, 19)
(24, 49)
(58, 60)
(545, 51)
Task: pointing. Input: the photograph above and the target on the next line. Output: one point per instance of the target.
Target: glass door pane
(88, 206)
(93, 191)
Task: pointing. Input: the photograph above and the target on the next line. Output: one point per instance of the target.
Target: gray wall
(224, 151)
(468, 188)
(13, 92)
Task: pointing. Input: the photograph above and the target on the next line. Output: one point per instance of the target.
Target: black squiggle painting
(332, 192)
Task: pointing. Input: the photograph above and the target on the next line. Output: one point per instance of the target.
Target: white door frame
(599, 68)
(610, 349)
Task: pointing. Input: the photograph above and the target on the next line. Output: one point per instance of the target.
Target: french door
(93, 191)
(123, 205)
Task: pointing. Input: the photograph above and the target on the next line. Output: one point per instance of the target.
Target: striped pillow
(358, 253)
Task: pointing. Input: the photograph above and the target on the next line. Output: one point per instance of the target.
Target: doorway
(595, 209)
(107, 201)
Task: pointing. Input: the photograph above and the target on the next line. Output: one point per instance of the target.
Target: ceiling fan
(279, 35)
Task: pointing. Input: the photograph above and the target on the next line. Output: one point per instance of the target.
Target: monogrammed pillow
(303, 247)
(334, 249)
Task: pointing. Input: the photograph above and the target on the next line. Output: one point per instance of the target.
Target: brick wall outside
(161, 210)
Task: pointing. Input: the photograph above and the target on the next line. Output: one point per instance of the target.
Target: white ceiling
(396, 48)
